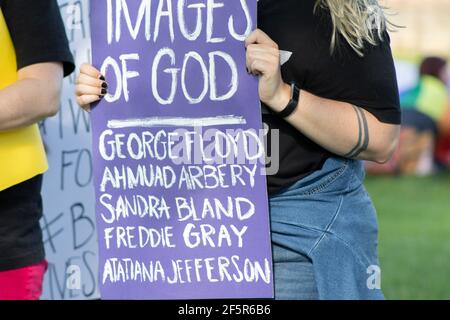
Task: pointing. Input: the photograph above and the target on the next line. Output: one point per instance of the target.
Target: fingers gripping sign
(263, 60)
(90, 86)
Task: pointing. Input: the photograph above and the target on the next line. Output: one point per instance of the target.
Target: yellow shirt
(22, 154)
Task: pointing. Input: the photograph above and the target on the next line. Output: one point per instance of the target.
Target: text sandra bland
(154, 16)
(212, 270)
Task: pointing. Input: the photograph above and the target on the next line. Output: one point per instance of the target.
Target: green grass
(414, 247)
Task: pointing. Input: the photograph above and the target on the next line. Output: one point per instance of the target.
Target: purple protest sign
(182, 208)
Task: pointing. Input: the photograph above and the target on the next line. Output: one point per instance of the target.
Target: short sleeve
(370, 82)
(37, 32)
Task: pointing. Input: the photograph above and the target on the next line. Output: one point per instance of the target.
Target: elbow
(386, 150)
(52, 103)
(383, 158)
(53, 108)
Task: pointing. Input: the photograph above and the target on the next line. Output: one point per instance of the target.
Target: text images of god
(168, 15)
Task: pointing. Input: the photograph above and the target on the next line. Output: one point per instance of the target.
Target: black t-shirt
(38, 35)
(368, 82)
(37, 32)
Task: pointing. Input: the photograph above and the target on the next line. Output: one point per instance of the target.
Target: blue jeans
(324, 236)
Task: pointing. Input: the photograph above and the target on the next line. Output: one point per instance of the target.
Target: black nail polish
(104, 85)
(103, 92)
(102, 78)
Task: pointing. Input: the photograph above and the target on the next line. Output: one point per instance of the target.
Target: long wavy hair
(357, 21)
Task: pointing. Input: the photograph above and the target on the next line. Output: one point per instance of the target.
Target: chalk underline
(176, 122)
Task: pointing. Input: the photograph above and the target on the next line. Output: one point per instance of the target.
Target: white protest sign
(68, 196)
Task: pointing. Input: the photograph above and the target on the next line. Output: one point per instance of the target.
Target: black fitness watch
(293, 103)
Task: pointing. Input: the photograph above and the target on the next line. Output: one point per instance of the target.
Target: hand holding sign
(263, 59)
(90, 86)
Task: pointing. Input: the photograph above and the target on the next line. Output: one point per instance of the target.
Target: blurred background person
(426, 118)
(424, 146)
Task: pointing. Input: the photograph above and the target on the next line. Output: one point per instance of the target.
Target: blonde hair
(357, 21)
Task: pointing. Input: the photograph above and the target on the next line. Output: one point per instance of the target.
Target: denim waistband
(335, 170)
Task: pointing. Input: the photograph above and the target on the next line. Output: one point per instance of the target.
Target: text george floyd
(191, 22)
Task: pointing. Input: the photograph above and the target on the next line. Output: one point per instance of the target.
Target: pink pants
(24, 283)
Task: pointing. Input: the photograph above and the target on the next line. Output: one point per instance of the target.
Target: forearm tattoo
(363, 135)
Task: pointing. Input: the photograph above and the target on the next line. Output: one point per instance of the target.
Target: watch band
(293, 103)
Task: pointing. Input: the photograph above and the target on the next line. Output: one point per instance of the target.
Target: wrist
(281, 99)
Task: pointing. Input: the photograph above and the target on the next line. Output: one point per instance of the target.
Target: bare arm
(339, 127)
(33, 97)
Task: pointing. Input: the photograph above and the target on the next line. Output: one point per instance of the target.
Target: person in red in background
(438, 68)
(443, 152)
(34, 57)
